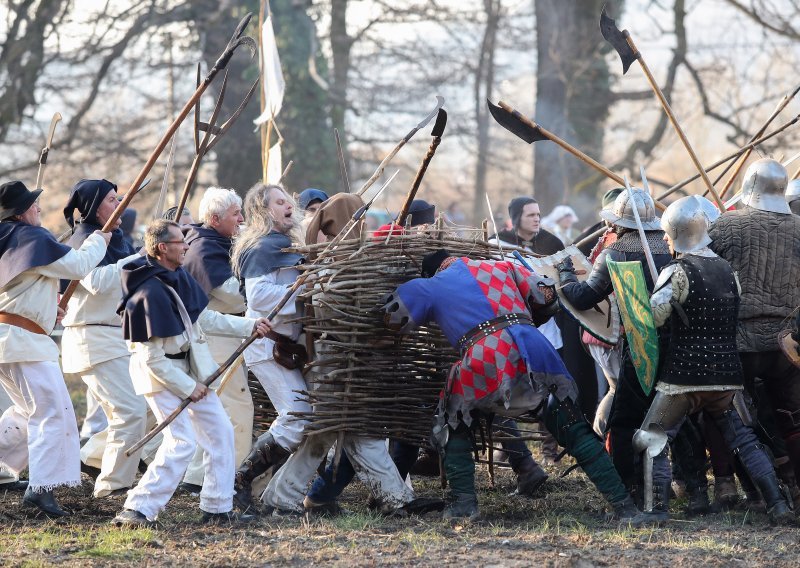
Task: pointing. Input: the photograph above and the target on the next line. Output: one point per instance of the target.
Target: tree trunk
(484, 81)
(573, 94)
(301, 120)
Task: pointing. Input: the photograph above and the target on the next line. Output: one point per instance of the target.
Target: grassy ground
(566, 528)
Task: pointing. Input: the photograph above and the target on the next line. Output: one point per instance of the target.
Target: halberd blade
(513, 123)
(618, 40)
(441, 122)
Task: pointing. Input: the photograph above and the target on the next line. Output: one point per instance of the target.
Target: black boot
(626, 511)
(45, 502)
(462, 506)
(698, 501)
(265, 454)
(778, 509)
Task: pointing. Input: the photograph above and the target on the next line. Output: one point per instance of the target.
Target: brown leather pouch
(287, 353)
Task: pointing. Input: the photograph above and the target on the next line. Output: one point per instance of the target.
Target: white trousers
(94, 421)
(6, 476)
(126, 413)
(204, 423)
(236, 401)
(40, 431)
(282, 386)
(370, 459)
(609, 361)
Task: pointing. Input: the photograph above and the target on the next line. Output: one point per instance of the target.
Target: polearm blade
(203, 147)
(622, 42)
(162, 197)
(436, 133)
(530, 131)
(406, 138)
(642, 236)
(46, 150)
(342, 163)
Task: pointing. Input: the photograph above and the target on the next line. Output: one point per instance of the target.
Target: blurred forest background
(120, 70)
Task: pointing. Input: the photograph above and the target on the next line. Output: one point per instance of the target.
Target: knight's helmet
(686, 221)
(763, 187)
(793, 191)
(621, 214)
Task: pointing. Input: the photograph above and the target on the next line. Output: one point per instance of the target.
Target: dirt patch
(566, 528)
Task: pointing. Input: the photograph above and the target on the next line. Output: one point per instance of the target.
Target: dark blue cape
(208, 259)
(23, 247)
(148, 309)
(118, 247)
(266, 256)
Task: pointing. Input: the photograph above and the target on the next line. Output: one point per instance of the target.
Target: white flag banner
(275, 165)
(271, 72)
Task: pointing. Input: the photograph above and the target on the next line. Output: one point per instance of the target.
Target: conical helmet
(763, 187)
(621, 214)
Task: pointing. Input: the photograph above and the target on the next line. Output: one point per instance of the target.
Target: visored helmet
(686, 222)
(763, 187)
(621, 214)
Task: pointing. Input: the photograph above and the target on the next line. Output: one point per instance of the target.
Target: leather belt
(491, 326)
(24, 323)
(179, 355)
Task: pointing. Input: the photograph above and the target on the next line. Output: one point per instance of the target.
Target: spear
(623, 43)
(236, 40)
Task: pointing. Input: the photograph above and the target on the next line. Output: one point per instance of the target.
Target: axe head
(513, 124)
(618, 40)
(438, 126)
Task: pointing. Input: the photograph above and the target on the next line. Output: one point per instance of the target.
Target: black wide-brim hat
(15, 199)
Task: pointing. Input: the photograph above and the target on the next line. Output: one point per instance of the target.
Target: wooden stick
(572, 149)
(674, 121)
(220, 64)
(669, 191)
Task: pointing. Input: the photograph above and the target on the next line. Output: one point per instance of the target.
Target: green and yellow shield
(633, 300)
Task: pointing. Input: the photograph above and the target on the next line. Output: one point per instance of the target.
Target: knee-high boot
(742, 440)
(265, 454)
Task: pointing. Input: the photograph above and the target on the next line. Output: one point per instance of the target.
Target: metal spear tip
(441, 122)
(618, 40)
(424, 122)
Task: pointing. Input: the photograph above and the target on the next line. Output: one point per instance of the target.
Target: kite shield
(633, 300)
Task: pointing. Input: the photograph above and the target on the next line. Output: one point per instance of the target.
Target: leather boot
(462, 506)
(529, 477)
(698, 501)
(778, 509)
(787, 476)
(626, 511)
(45, 502)
(265, 454)
(726, 495)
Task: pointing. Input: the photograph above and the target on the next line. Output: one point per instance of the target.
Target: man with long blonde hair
(266, 273)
